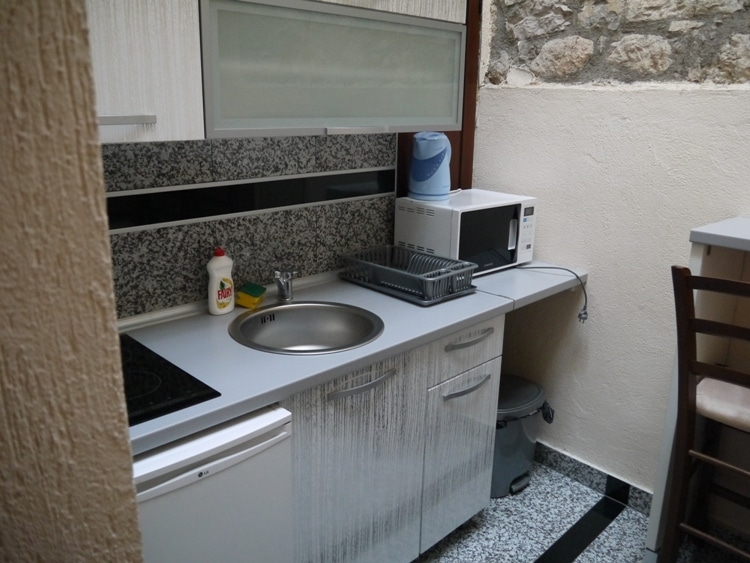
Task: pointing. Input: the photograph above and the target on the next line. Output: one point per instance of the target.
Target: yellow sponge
(250, 295)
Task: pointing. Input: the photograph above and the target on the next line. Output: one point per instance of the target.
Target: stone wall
(603, 41)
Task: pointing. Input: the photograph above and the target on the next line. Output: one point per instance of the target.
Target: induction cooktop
(154, 386)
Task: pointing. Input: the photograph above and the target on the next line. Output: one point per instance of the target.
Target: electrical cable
(583, 314)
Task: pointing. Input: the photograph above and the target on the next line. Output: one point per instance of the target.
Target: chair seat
(724, 402)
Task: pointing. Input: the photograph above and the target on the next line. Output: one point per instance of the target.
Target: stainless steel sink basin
(306, 327)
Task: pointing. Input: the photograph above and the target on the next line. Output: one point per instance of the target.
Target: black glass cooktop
(154, 386)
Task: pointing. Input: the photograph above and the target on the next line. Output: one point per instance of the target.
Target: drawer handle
(468, 343)
(335, 395)
(455, 394)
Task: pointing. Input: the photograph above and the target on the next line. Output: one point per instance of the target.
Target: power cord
(583, 314)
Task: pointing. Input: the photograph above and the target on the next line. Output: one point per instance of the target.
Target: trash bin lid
(518, 397)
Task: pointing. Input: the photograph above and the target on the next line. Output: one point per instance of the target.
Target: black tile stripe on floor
(573, 542)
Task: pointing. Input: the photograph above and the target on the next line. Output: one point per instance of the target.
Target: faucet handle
(285, 274)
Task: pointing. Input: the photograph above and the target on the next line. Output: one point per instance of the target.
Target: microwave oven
(494, 230)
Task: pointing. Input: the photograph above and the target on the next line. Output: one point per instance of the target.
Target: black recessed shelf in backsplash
(134, 209)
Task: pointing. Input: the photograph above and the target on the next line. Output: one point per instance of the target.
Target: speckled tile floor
(520, 528)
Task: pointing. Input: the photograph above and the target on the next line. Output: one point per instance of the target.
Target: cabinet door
(358, 447)
(460, 426)
(147, 62)
(466, 349)
(344, 70)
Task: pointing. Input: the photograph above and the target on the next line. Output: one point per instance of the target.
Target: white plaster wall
(66, 492)
(622, 174)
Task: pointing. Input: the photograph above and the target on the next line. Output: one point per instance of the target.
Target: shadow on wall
(544, 335)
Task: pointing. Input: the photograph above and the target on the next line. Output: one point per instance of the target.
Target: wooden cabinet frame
(462, 142)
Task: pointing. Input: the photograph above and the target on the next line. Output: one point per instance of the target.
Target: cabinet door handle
(366, 130)
(462, 392)
(126, 119)
(468, 343)
(335, 395)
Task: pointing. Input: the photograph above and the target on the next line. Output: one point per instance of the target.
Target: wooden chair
(718, 393)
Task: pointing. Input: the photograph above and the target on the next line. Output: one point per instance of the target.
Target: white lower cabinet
(391, 458)
(358, 443)
(460, 438)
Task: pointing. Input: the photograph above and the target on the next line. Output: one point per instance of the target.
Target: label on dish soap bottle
(224, 293)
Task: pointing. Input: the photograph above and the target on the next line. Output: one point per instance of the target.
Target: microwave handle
(512, 234)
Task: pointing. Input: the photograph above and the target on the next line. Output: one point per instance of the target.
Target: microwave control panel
(526, 234)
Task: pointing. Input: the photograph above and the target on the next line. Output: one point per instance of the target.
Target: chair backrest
(706, 343)
(689, 325)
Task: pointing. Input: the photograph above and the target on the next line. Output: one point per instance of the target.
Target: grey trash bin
(515, 437)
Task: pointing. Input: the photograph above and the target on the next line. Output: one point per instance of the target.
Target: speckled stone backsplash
(157, 268)
(133, 166)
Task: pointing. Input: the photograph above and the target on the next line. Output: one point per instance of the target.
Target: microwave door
(489, 237)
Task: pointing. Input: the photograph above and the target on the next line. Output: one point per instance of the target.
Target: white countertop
(730, 233)
(249, 379)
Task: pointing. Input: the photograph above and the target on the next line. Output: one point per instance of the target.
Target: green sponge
(250, 295)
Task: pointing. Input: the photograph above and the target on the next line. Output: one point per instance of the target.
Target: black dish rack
(414, 276)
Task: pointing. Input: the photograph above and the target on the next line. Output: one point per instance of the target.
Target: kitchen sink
(306, 327)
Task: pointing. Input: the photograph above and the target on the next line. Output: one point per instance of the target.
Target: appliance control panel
(526, 234)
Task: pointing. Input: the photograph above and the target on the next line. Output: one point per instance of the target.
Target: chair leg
(705, 473)
(676, 500)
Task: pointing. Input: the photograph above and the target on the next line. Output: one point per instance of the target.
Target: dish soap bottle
(220, 284)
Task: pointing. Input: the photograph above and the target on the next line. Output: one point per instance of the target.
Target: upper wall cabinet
(147, 69)
(448, 10)
(296, 67)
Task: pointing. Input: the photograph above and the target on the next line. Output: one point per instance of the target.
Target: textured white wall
(622, 174)
(66, 492)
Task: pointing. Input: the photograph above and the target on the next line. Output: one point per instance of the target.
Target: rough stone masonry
(602, 41)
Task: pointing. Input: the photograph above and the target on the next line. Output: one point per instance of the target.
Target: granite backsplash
(164, 266)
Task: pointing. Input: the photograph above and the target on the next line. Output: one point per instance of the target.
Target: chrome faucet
(283, 280)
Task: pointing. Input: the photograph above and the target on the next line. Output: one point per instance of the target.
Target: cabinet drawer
(465, 349)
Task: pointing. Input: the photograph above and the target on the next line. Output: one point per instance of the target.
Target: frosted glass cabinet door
(459, 448)
(358, 446)
(292, 68)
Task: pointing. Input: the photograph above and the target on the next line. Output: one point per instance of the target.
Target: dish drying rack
(414, 276)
